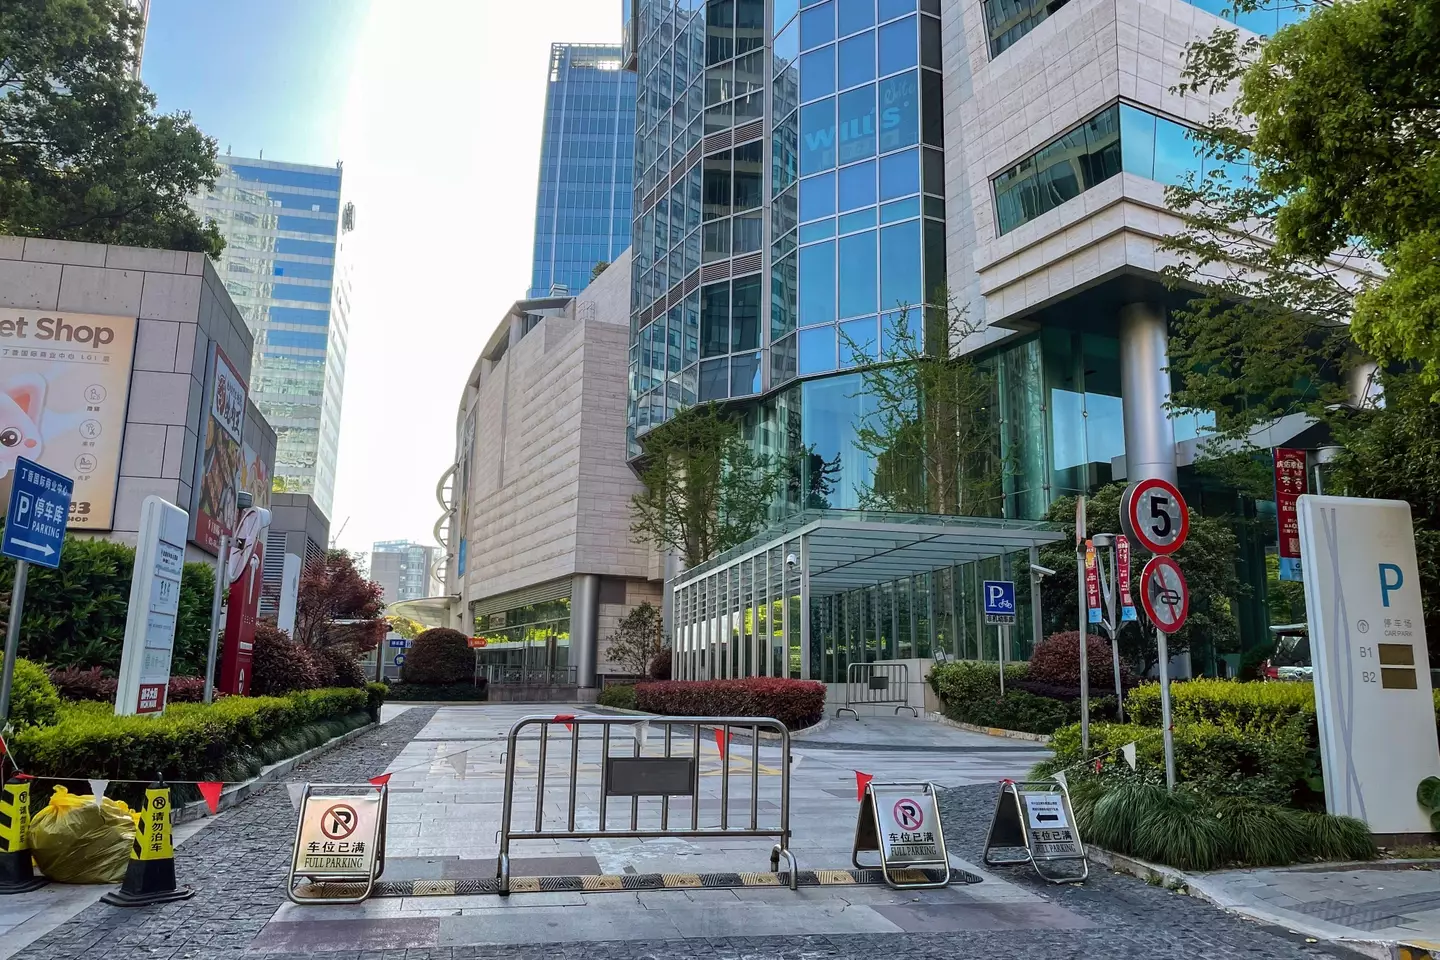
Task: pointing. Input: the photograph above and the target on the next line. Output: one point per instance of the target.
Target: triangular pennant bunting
(721, 741)
(460, 763)
(1128, 752)
(97, 787)
(641, 732)
(381, 780)
(210, 790)
(795, 759)
(565, 718)
(862, 780)
(1060, 779)
(296, 791)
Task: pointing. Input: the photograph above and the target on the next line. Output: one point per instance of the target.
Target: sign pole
(222, 570)
(1116, 621)
(1083, 612)
(1004, 642)
(12, 636)
(1162, 648)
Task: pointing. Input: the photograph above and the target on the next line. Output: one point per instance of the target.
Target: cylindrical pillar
(584, 627)
(1145, 389)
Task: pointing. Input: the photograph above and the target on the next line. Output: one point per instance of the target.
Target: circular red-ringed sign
(1154, 514)
(1164, 594)
(909, 815)
(339, 821)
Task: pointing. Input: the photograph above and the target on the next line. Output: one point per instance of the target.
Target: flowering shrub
(795, 703)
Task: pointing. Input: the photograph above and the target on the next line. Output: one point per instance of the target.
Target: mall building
(814, 180)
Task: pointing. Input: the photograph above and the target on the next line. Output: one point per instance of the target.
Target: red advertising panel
(246, 566)
(218, 470)
(1290, 478)
(1092, 582)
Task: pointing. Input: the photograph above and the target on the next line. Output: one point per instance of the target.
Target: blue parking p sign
(999, 600)
(39, 511)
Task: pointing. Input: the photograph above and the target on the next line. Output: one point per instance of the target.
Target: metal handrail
(875, 686)
(754, 725)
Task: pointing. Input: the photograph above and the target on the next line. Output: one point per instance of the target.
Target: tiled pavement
(443, 825)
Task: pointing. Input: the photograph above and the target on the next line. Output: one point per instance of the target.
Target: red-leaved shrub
(795, 703)
(186, 690)
(280, 665)
(72, 683)
(660, 666)
(1056, 661)
(441, 656)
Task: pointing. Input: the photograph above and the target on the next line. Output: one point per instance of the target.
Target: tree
(332, 591)
(1280, 243)
(1207, 559)
(600, 267)
(82, 154)
(932, 429)
(706, 489)
(637, 641)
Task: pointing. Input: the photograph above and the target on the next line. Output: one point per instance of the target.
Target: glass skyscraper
(283, 224)
(582, 209)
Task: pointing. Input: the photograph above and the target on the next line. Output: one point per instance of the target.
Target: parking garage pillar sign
(1372, 681)
(154, 607)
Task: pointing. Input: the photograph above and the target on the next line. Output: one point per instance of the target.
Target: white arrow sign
(42, 548)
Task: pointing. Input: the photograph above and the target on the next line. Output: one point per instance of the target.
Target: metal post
(1319, 490)
(1163, 651)
(1037, 626)
(805, 629)
(12, 642)
(222, 569)
(1004, 642)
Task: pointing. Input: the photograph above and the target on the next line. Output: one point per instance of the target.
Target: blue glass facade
(1009, 20)
(582, 209)
(282, 224)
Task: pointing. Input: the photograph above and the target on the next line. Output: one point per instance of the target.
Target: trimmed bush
(969, 692)
(1253, 707)
(72, 683)
(449, 692)
(33, 700)
(795, 703)
(660, 666)
(439, 656)
(226, 740)
(186, 690)
(620, 695)
(279, 665)
(1056, 661)
(340, 667)
(375, 696)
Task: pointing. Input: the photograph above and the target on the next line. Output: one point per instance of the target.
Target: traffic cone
(17, 872)
(150, 876)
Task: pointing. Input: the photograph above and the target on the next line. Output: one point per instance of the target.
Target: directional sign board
(999, 598)
(1034, 824)
(1154, 515)
(39, 511)
(1164, 594)
(901, 822)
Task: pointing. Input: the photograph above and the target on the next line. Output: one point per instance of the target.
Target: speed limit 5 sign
(1154, 515)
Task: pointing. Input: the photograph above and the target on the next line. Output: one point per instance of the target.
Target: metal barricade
(634, 774)
(871, 684)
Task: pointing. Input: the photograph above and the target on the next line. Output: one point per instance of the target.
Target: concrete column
(584, 627)
(1365, 390)
(1145, 389)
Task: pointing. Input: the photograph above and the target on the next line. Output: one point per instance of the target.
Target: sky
(435, 109)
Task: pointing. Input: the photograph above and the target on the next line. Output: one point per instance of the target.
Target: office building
(405, 569)
(536, 526)
(582, 207)
(816, 181)
(142, 9)
(284, 230)
(298, 527)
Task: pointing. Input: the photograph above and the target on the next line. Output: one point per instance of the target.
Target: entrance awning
(427, 611)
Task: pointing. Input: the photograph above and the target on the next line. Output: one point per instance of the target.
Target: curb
(240, 792)
(943, 720)
(764, 734)
(1200, 887)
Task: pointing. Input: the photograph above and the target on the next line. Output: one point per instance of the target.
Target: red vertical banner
(1290, 483)
(1122, 574)
(1092, 582)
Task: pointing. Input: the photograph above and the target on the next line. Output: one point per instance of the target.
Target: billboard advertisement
(64, 387)
(254, 475)
(218, 470)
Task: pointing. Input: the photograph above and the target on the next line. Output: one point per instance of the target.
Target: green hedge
(969, 692)
(620, 695)
(226, 740)
(33, 698)
(1221, 761)
(450, 692)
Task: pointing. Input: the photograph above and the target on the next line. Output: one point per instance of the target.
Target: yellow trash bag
(75, 841)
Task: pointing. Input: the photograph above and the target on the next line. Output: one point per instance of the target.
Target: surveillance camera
(791, 560)
(1038, 571)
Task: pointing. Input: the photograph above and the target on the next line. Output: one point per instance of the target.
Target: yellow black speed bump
(17, 873)
(626, 881)
(150, 876)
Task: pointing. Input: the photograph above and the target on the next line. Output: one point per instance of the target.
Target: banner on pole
(1290, 477)
(1092, 582)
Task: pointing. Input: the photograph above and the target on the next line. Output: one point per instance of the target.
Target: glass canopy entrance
(830, 588)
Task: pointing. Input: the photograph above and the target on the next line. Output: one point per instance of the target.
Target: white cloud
(441, 145)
